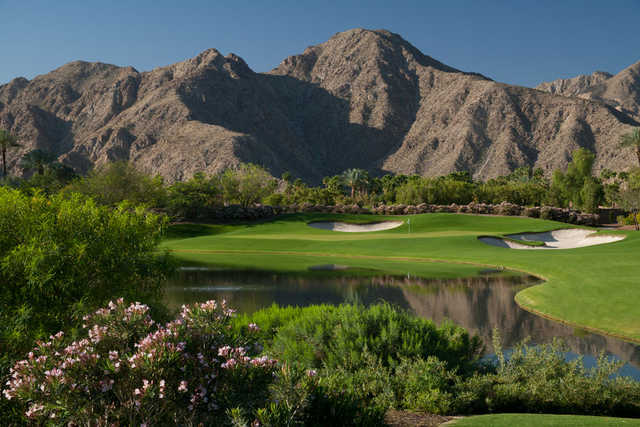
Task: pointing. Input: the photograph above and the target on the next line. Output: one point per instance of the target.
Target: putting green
(595, 288)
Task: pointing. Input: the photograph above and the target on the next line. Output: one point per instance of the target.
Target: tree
(246, 185)
(632, 139)
(630, 200)
(7, 141)
(578, 186)
(195, 198)
(356, 179)
(119, 181)
(37, 160)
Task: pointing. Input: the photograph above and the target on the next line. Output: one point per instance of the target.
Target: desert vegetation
(86, 338)
(293, 366)
(199, 197)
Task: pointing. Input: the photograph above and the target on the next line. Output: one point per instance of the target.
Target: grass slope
(595, 287)
(536, 420)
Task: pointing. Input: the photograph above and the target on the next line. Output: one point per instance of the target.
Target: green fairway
(594, 287)
(535, 420)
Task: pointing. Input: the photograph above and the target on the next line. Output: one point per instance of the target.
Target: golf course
(593, 288)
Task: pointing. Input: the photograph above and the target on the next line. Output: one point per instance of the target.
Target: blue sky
(517, 42)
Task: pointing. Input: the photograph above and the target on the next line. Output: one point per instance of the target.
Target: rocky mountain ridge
(365, 99)
(621, 91)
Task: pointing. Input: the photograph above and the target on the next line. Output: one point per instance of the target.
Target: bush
(196, 198)
(126, 369)
(119, 181)
(59, 256)
(629, 219)
(343, 336)
(369, 360)
(540, 379)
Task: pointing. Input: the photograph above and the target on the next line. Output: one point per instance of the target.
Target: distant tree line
(249, 184)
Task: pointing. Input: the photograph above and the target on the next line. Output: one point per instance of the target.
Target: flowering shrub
(128, 369)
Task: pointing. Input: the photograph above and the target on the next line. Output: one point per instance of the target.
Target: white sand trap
(558, 239)
(355, 228)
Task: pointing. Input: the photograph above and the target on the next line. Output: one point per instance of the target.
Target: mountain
(365, 99)
(576, 85)
(621, 91)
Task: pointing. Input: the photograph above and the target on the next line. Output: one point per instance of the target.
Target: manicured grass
(536, 420)
(594, 287)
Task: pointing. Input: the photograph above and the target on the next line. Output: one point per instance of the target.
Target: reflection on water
(479, 304)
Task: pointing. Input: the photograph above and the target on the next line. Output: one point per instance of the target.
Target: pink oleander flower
(229, 364)
(224, 351)
(183, 386)
(33, 410)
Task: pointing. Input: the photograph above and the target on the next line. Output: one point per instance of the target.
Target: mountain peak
(364, 98)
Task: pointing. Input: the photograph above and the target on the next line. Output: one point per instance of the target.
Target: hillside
(621, 91)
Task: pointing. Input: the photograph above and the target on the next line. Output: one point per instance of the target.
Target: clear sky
(517, 42)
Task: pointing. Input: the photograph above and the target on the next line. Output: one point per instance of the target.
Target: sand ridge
(570, 238)
(346, 227)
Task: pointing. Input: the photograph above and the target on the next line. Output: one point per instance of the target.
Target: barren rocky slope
(364, 99)
(621, 91)
(576, 85)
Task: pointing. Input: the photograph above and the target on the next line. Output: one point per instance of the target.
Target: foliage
(37, 161)
(331, 337)
(124, 368)
(194, 198)
(361, 380)
(55, 177)
(60, 254)
(357, 180)
(120, 181)
(578, 186)
(630, 200)
(541, 379)
(246, 185)
(7, 142)
(441, 190)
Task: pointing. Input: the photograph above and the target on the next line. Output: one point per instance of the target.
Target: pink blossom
(183, 386)
(224, 351)
(33, 410)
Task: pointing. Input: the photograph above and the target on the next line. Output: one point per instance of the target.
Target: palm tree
(7, 141)
(37, 160)
(632, 139)
(355, 178)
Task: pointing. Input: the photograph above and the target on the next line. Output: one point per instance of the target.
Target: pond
(480, 304)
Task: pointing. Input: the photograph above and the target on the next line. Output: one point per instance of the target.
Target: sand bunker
(558, 239)
(355, 228)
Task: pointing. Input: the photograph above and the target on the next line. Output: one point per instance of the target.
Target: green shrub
(628, 219)
(342, 336)
(116, 182)
(425, 385)
(59, 256)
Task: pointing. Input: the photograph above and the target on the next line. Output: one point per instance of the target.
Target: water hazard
(479, 304)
